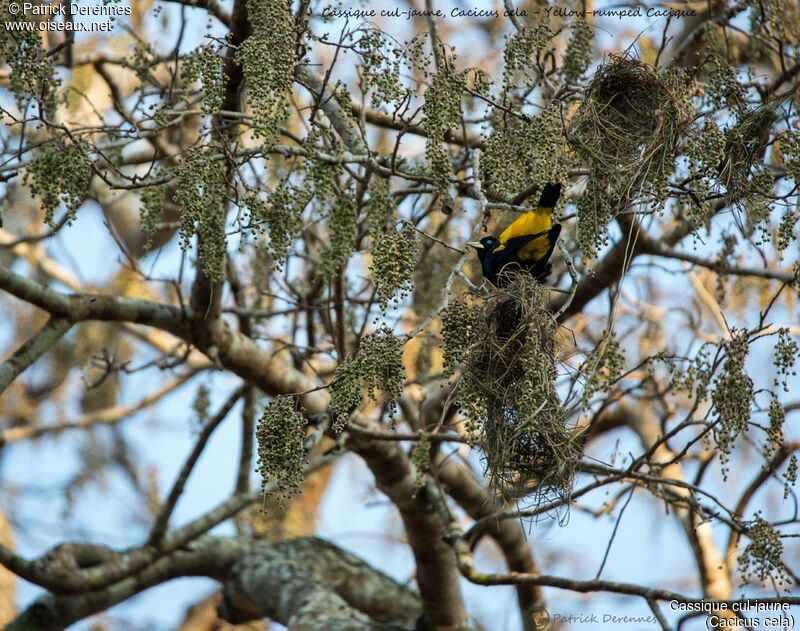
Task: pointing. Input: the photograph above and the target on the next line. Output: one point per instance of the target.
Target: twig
(657, 613)
(482, 202)
(106, 416)
(162, 520)
(416, 436)
(573, 277)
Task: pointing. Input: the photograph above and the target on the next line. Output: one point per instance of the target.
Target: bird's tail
(550, 196)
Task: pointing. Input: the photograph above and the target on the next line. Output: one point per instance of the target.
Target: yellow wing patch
(534, 250)
(538, 220)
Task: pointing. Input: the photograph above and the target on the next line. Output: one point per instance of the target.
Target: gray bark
(304, 584)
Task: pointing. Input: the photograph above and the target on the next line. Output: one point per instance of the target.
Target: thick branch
(31, 350)
(509, 535)
(295, 583)
(79, 307)
(437, 571)
(320, 587)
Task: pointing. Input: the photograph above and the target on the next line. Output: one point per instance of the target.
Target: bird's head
(484, 246)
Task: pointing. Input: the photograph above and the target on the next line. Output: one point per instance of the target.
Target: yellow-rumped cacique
(525, 245)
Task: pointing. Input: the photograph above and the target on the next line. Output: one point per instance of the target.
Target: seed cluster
(380, 68)
(378, 365)
(152, 198)
(724, 89)
(790, 476)
(457, 329)
(693, 379)
(267, 58)
(522, 51)
(790, 146)
(205, 65)
(786, 351)
(201, 404)
(579, 52)
(142, 61)
(342, 223)
(32, 76)
(777, 417)
(442, 113)
(786, 235)
(393, 263)
(604, 368)
(320, 177)
(345, 394)
(732, 395)
(59, 173)
(281, 216)
(761, 558)
(537, 145)
(595, 211)
(200, 192)
(279, 436)
(421, 459)
(393, 251)
(705, 151)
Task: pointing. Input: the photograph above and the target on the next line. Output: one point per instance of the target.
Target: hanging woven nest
(508, 389)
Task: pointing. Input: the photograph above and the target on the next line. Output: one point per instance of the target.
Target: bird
(526, 244)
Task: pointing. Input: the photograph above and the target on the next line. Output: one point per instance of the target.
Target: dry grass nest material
(629, 121)
(509, 367)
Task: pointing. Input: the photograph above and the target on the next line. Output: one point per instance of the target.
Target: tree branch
(297, 583)
(468, 569)
(31, 350)
(162, 520)
(79, 307)
(105, 416)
